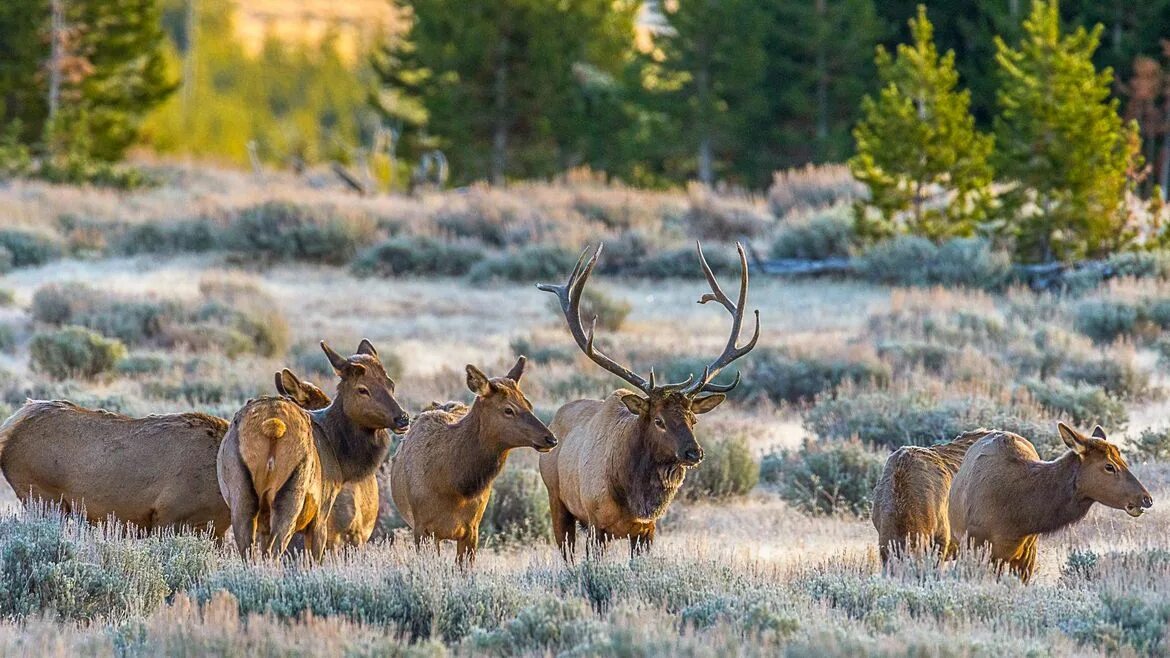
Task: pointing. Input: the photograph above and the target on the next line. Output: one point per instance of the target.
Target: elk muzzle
(1135, 509)
(401, 423)
(692, 456)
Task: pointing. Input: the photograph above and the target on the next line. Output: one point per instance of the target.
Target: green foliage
(728, 470)
(825, 478)
(917, 141)
(278, 230)
(418, 257)
(1150, 445)
(1060, 139)
(1086, 405)
(782, 377)
(826, 234)
(176, 237)
(29, 249)
(682, 263)
(534, 264)
(916, 261)
(74, 352)
(518, 508)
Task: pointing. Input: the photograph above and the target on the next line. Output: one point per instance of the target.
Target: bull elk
(1004, 497)
(355, 512)
(163, 476)
(621, 460)
(910, 500)
(281, 468)
(442, 474)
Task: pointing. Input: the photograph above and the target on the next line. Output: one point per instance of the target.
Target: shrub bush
(611, 313)
(1119, 377)
(279, 230)
(74, 352)
(825, 478)
(1104, 321)
(910, 355)
(518, 508)
(728, 470)
(542, 354)
(175, 237)
(711, 217)
(1151, 445)
(29, 249)
(828, 234)
(532, 264)
(417, 256)
(813, 186)
(1084, 404)
(683, 263)
(785, 378)
(914, 261)
(7, 337)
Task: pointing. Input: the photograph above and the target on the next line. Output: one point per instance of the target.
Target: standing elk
(910, 500)
(281, 468)
(442, 474)
(163, 476)
(621, 460)
(1005, 497)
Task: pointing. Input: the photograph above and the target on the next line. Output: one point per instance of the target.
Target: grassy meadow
(189, 295)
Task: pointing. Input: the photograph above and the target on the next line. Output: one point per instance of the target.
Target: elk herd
(299, 462)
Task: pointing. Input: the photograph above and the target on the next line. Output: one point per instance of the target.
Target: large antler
(570, 297)
(730, 351)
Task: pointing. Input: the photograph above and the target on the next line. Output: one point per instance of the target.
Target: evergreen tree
(518, 95)
(917, 147)
(1061, 143)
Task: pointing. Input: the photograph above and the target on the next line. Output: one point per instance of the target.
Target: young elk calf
(1004, 497)
(910, 499)
(281, 468)
(355, 512)
(442, 474)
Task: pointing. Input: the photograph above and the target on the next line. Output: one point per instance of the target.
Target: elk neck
(1051, 501)
(481, 455)
(637, 483)
(356, 451)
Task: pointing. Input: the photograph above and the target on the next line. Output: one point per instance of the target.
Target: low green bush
(74, 352)
(517, 510)
(7, 337)
(1104, 320)
(1084, 404)
(1150, 445)
(278, 230)
(532, 264)
(915, 261)
(540, 353)
(911, 355)
(29, 249)
(174, 237)
(1119, 377)
(417, 256)
(827, 234)
(728, 470)
(683, 263)
(825, 477)
(786, 378)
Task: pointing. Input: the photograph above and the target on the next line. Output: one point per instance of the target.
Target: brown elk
(442, 474)
(910, 499)
(281, 468)
(621, 460)
(164, 474)
(1004, 497)
(355, 512)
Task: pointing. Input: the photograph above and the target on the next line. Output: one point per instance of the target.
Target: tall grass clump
(812, 187)
(713, 217)
(825, 477)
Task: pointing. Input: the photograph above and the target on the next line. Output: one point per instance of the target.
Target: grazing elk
(621, 460)
(355, 512)
(1005, 497)
(163, 476)
(281, 468)
(910, 499)
(442, 474)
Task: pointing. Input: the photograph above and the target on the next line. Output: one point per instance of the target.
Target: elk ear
(366, 347)
(639, 406)
(517, 370)
(280, 384)
(336, 360)
(289, 386)
(707, 403)
(478, 382)
(1072, 438)
(1099, 433)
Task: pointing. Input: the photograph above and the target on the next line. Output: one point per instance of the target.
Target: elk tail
(273, 428)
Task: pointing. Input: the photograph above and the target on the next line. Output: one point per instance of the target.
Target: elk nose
(694, 455)
(401, 421)
(550, 441)
(1147, 502)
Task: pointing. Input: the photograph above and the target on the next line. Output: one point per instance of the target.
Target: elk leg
(316, 540)
(286, 509)
(564, 527)
(641, 543)
(244, 522)
(465, 548)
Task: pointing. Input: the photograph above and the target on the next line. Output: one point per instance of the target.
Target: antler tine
(570, 299)
(730, 351)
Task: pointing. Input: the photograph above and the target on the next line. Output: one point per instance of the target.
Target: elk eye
(362, 390)
(509, 411)
(659, 423)
(1109, 468)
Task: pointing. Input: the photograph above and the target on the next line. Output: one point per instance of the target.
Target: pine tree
(1061, 143)
(917, 147)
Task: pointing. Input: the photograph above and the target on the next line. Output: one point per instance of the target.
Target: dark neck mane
(644, 487)
(353, 452)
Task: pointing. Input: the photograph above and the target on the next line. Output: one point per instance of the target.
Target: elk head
(667, 412)
(1104, 476)
(366, 392)
(504, 411)
(305, 395)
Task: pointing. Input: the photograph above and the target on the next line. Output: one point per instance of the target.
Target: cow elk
(442, 474)
(1004, 497)
(910, 499)
(281, 468)
(621, 460)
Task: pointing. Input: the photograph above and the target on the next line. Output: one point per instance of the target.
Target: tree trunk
(703, 125)
(56, 54)
(499, 164)
(1164, 165)
(822, 91)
